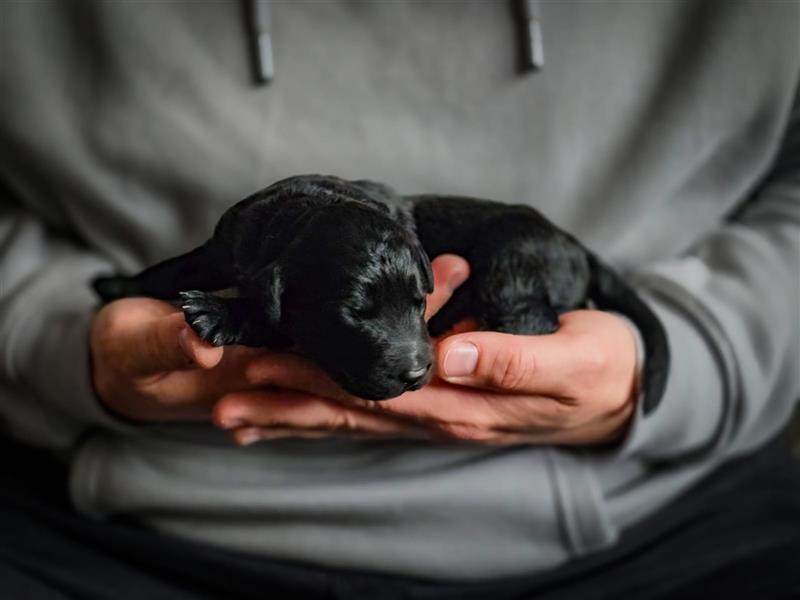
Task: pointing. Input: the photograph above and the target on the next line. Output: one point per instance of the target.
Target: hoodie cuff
(690, 411)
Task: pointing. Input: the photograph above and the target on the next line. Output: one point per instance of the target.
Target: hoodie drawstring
(533, 45)
(259, 26)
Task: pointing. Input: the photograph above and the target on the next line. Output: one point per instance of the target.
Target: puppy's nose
(413, 377)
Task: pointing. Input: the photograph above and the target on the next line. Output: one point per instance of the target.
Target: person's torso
(132, 126)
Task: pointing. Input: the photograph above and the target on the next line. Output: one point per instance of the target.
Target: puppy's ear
(270, 281)
(425, 270)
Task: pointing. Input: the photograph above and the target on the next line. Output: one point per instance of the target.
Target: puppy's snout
(416, 376)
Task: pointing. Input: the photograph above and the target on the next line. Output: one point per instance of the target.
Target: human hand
(148, 365)
(575, 386)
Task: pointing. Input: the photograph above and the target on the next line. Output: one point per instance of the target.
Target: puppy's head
(354, 285)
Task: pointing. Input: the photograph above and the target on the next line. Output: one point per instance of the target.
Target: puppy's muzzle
(418, 373)
(415, 378)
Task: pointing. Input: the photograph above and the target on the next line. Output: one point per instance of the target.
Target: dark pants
(736, 535)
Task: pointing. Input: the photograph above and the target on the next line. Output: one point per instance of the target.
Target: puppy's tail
(611, 292)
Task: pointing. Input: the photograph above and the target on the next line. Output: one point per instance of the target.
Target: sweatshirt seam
(84, 478)
(579, 503)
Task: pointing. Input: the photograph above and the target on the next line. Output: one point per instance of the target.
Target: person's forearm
(730, 309)
(45, 310)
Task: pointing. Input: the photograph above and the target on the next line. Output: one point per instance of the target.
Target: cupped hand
(148, 365)
(575, 386)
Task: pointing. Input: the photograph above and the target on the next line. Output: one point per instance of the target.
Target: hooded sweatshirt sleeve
(46, 306)
(730, 308)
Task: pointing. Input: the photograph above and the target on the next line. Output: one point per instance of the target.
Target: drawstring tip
(265, 67)
(531, 32)
(534, 57)
(259, 23)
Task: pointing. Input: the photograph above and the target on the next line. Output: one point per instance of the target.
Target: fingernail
(460, 360)
(248, 436)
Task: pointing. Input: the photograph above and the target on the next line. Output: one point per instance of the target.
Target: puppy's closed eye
(366, 309)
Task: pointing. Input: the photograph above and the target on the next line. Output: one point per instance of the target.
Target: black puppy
(339, 271)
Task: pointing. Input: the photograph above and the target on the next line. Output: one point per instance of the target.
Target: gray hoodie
(662, 134)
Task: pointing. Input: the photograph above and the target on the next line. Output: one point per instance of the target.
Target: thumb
(168, 344)
(501, 361)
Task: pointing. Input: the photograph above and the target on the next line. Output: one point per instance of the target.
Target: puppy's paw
(208, 316)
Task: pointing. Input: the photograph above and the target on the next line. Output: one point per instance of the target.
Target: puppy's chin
(420, 384)
(380, 389)
(373, 391)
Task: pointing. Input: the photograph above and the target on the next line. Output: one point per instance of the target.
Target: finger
(440, 412)
(436, 404)
(244, 436)
(301, 411)
(449, 272)
(511, 363)
(206, 386)
(292, 372)
(249, 435)
(167, 344)
(474, 414)
(243, 369)
(601, 432)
